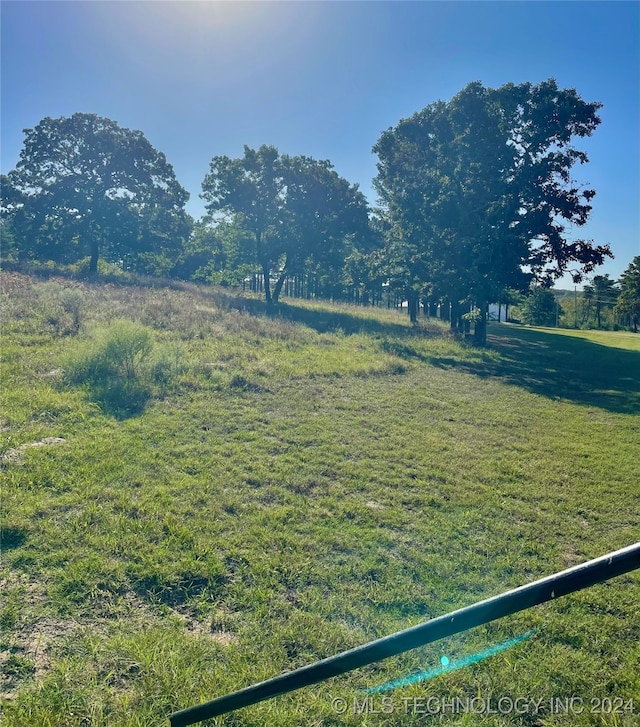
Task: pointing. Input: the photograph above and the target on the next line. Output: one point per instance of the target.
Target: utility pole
(575, 305)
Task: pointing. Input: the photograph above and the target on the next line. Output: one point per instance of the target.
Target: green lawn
(618, 339)
(294, 485)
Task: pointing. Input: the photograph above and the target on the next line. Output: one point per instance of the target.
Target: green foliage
(597, 300)
(18, 666)
(291, 214)
(112, 366)
(124, 346)
(476, 189)
(86, 186)
(473, 316)
(202, 254)
(628, 305)
(73, 302)
(539, 308)
(605, 294)
(10, 199)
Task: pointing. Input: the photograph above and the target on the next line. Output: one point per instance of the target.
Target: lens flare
(448, 666)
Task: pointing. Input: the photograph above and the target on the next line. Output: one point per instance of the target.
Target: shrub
(61, 307)
(112, 367)
(73, 302)
(81, 268)
(125, 345)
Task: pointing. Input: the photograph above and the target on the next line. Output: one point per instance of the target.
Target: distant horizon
(323, 80)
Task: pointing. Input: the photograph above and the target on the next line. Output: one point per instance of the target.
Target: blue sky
(322, 79)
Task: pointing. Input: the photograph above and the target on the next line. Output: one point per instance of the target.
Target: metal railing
(546, 589)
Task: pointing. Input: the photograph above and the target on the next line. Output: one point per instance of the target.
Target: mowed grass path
(302, 484)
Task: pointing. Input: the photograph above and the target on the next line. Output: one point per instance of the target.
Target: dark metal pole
(546, 589)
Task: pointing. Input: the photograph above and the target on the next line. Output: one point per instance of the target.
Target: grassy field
(237, 494)
(618, 339)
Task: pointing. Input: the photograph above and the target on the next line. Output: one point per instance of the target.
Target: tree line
(475, 197)
(602, 304)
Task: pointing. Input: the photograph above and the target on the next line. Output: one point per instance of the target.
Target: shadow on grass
(12, 537)
(120, 399)
(550, 364)
(565, 367)
(326, 321)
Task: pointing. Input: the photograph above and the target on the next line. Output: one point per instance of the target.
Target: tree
(414, 202)
(628, 304)
(251, 189)
(300, 214)
(587, 300)
(202, 255)
(540, 308)
(478, 191)
(604, 294)
(8, 202)
(85, 185)
(326, 220)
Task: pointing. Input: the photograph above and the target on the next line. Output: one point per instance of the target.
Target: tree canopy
(86, 186)
(476, 202)
(301, 214)
(540, 308)
(628, 304)
(602, 293)
(477, 192)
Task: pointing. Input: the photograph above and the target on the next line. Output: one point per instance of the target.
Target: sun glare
(199, 15)
(156, 34)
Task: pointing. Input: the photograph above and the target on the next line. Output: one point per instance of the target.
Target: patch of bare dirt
(33, 645)
(374, 505)
(14, 456)
(213, 629)
(27, 651)
(53, 374)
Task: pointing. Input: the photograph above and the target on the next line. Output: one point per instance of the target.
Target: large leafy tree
(628, 304)
(478, 191)
(86, 186)
(202, 254)
(414, 201)
(301, 215)
(325, 221)
(250, 191)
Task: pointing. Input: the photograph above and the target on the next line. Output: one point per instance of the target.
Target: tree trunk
(412, 302)
(267, 283)
(454, 316)
(93, 262)
(480, 328)
(264, 264)
(279, 283)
